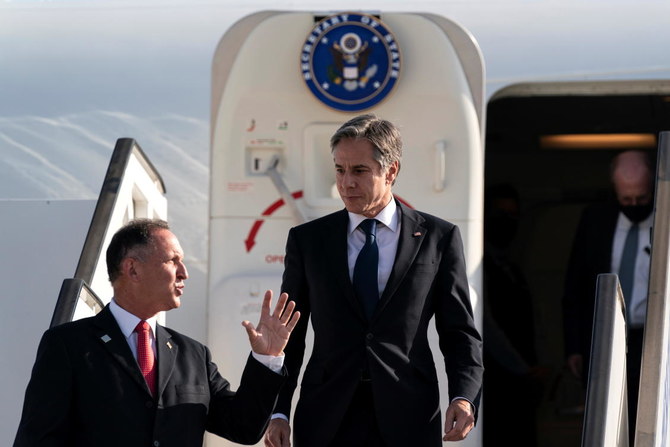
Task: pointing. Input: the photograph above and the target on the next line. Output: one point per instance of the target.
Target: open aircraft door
(283, 82)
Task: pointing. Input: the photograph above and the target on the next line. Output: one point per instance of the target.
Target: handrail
(73, 292)
(130, 179)
(606, 412)
(95, 238)
(651, 428)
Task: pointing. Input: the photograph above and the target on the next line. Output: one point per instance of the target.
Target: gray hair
(383, 135)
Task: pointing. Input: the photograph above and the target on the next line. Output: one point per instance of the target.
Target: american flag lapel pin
(169, 345)
(417, 234)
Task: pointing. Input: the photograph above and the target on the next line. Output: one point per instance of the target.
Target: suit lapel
(412, 235)
(167, 356)
(114, 342)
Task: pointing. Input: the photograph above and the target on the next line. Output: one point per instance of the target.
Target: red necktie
(145, 355)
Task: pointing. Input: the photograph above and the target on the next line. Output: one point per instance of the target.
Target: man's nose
(348, 180)
(182, 272)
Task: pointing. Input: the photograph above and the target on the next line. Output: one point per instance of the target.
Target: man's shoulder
(429, 220)
(74, 326)
(72, 333)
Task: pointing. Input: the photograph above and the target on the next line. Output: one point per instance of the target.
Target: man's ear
(130, 268)
(392, 172)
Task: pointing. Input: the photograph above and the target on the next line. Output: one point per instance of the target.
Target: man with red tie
(121, 379)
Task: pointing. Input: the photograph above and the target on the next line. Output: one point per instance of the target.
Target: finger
(294, 320)
(287, 312)
(285, 437)
(267, 300)
(281, 303)
(457, 433)
(251, 330)
(457, 426)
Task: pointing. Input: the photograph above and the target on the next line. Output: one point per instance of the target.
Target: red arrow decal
(250, 241)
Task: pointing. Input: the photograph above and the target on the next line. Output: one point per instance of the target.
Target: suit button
(369, 337)
(157, 443)
(149, 404)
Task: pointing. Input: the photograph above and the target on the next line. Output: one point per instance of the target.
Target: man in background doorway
(612, 237)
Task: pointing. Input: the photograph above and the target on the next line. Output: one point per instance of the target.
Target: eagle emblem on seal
(350, 61)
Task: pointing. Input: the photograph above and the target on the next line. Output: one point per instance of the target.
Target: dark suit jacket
(428, 279)
(591, 255)
(87, 390)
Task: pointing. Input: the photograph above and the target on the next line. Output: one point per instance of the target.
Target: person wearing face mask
(599, 245)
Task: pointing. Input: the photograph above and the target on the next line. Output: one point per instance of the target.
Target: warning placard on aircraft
(350, 61)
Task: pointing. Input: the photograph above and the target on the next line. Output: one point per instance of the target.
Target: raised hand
(273, 330)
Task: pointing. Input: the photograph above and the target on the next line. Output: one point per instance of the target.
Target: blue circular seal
(350, 61)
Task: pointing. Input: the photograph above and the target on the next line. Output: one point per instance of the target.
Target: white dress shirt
(638, 305)
(128, 322)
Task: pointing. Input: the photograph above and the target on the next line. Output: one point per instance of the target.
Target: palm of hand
(270, 336)
(273, 330)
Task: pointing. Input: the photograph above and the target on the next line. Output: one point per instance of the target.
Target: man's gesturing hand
(273, 330)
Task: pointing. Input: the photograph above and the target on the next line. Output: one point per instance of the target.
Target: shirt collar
(388, 216)
(128, 322)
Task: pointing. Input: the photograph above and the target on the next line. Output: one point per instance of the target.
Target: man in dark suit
(101, 382)
(599, 247)
(371, 379)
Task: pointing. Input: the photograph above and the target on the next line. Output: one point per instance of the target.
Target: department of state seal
(350, 61)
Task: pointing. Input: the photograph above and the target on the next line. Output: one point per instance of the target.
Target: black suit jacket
(428, 279)
(591, 255)
(87, 390)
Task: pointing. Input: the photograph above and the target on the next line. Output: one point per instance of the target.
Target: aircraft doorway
(554, 181)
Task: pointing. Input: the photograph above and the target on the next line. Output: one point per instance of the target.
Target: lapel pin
(417, 234)
(169, 345)
(105, 338)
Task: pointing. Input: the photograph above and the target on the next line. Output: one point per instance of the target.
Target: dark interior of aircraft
(555, 181)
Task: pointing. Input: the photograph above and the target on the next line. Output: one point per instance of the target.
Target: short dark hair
(136, 233)
(383, 135)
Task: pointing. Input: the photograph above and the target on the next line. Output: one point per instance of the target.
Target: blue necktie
(365, 270)
(627, 266)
